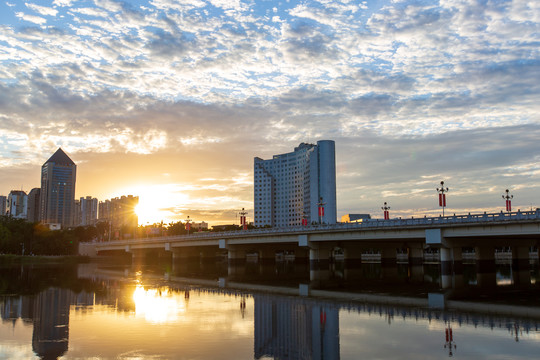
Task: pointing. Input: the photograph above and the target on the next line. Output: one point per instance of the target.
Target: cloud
(31, 18)
(63, 2)
(42, 10)
(411, 92)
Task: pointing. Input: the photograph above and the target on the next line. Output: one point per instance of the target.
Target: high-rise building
(58, 190)
(33, 205)
(17, 204)
(290, 187)
(3, 205)
(104, 213)
(89, 211)
(120, 214)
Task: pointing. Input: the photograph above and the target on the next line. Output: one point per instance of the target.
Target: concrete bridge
(393, 239)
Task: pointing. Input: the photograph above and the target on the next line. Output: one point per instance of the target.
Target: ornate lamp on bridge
(243, 222)
(304, 219)
(321, 204)
(188, 224)
(442, 196)
(508, 199)
(386, 213)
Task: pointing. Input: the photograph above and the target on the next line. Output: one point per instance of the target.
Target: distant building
(57, 202)
(3, 205)
(17, 204)
(33, 205)
(202, 225)
(88, 211)
(289, 187)
(355, 218)
(104, 210)
(120, 214)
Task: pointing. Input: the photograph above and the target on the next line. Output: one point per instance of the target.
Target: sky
(171, 100)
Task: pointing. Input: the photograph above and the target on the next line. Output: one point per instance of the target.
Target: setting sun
(159, 203)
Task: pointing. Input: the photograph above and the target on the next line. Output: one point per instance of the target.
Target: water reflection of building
(294, 328)
(51, 323)
(49, 313)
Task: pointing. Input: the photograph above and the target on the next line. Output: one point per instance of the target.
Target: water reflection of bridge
(287, 320)
(456, 308)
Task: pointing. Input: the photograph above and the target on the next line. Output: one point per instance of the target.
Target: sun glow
(158, 305)
(159, 203)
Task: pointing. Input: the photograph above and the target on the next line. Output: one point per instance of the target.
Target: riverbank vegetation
(20, 237)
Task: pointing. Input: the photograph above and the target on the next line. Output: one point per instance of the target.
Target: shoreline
(43, 259)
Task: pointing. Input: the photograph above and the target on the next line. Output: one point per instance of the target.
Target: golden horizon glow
(158, 203)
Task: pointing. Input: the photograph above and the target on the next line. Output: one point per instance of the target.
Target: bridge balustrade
(366, 224)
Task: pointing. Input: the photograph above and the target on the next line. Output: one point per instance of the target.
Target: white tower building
(289, 186)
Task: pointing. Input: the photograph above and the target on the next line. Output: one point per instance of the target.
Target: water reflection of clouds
(16, 352)
(418, 338)
(193, 329)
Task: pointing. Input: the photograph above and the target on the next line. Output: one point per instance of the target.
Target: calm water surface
(209, 311)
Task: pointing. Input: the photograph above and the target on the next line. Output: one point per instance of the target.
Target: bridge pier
(267, 256)
(352, 261)
(451, 267)
(521, 274)
(389, 262)
(319, 263)
(485, 265)
(184, 255)
(416, 262)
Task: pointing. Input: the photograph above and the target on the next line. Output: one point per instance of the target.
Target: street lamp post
(243, 222)
(188, 224)
(304, 219)
(386, 213)
(442, 196)
(321, 204)
(508, 199)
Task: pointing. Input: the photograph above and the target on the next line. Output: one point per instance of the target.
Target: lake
(211, 311)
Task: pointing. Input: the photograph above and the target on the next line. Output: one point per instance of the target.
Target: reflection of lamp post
(449, 337)
(508, 199)
(321, 204)
(188, 224)
(243, 219)
(442, 196)
(386, 213)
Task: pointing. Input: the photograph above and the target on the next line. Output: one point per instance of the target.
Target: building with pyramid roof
(58, 190)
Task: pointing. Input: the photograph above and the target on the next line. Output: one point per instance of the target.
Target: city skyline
(172, 100)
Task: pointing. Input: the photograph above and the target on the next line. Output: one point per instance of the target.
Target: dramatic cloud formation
(178, 96)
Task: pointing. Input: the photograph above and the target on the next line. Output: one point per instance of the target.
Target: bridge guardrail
(366, 224)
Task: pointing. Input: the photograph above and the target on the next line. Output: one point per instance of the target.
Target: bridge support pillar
(521, 274)
(389, 262)
(267, 256)
(451, 267)
(236, 261)
(353, 262)
(485, 265)
(207, 255)
(416, 262)
(184, 255)
(319, 261)
(416, 255)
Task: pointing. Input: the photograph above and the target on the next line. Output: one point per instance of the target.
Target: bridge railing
(366, 224)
